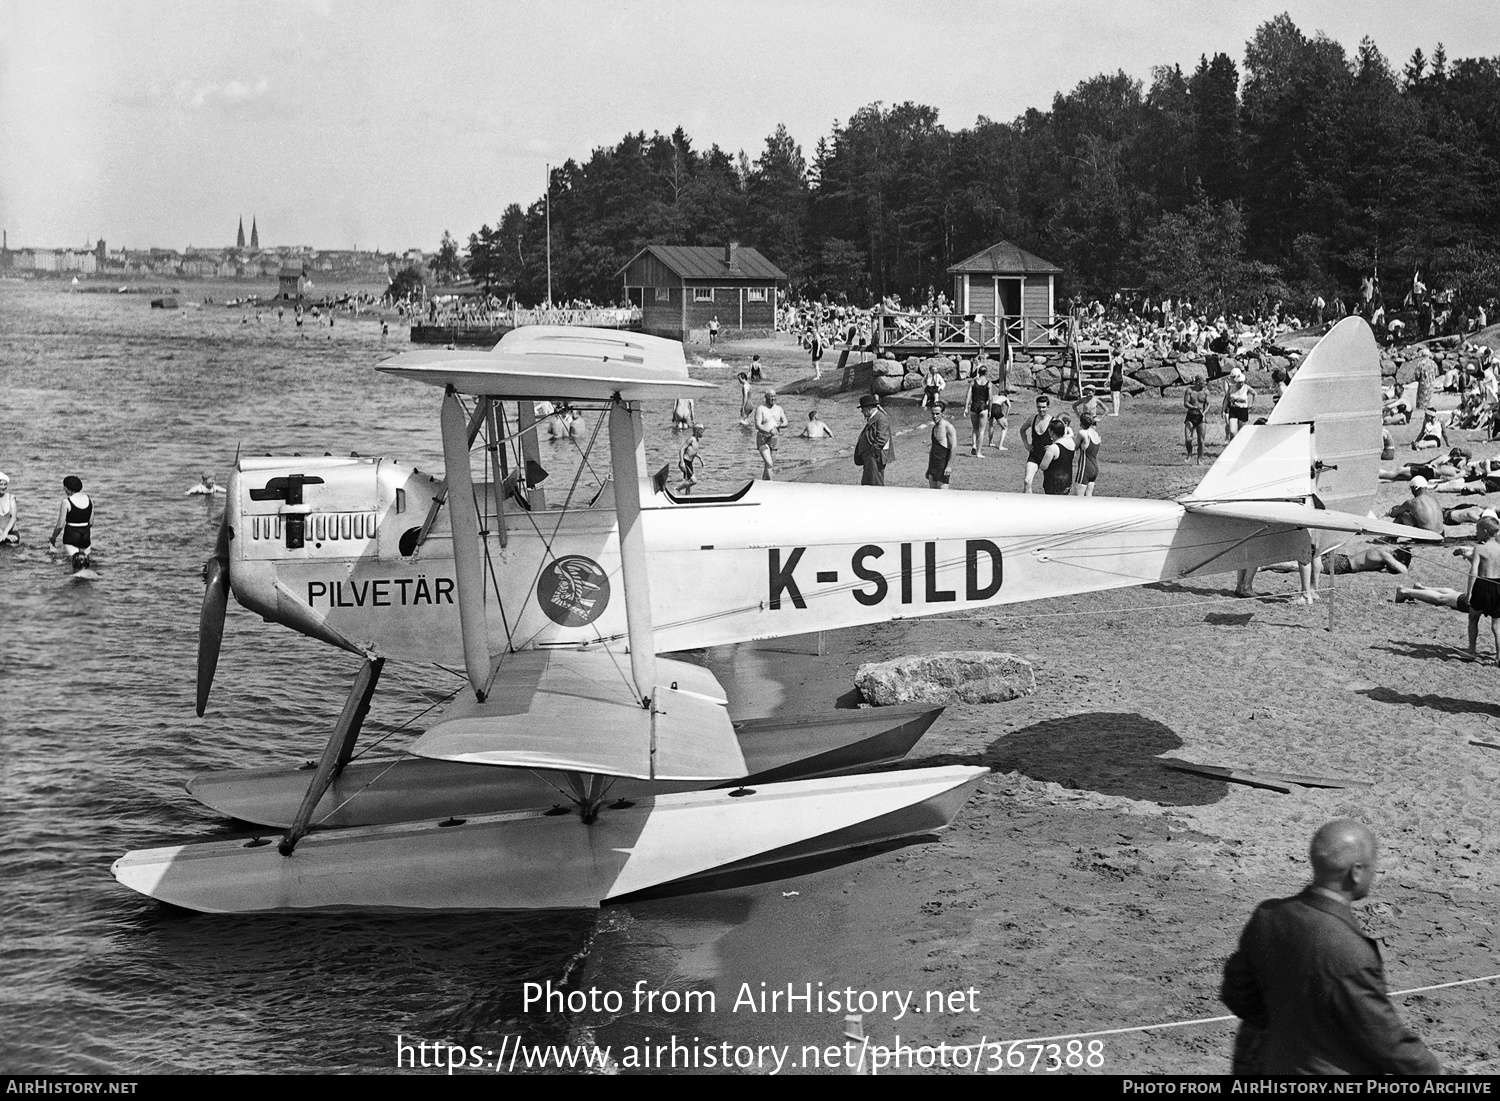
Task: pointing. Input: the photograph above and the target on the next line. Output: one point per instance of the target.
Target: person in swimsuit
(747, 407)
(1088, 455)
(944, 443)
(817, 351)
(688, 459)
(755, 369)
(999, 414)
(1483, 593)
(1057, 460)
(815, 429)
(8, 532)
(1116, 377)
(770, 419)
(1367, 560)
(1195, 410)
(1034, 435)
(682, 414)
(75, 520)
(977, 402)
(1239, 399)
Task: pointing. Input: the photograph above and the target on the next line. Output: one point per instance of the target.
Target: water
(98, 735)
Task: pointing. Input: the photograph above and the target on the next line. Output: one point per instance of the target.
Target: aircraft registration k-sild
(559, 617)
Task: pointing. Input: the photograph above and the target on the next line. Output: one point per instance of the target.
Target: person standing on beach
(1195, 410)
(944, 443)
(977, 403)
(713, 331)
(770, 419)
(1483, 594)
(1116, 377)
(817, 351)
(872, 449)
(1087, 449)
(1309, 985)
(1056, 463)
(1035, 436)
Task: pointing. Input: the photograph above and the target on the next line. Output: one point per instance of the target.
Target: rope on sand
(1226, 1017)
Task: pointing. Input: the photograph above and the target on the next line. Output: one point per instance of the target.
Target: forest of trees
(1301, 168)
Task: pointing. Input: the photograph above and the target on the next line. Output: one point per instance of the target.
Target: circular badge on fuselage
(573, 590)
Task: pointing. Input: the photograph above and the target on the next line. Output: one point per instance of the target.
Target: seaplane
(581, 763)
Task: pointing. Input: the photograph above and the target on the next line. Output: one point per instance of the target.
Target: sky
(380, 125)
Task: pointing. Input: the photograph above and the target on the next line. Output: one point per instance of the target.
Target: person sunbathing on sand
(1367, 560)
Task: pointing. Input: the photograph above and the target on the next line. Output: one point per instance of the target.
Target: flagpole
(549, 236)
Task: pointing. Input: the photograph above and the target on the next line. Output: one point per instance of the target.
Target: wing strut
(468, 556)
(627, 456)
(442, 493)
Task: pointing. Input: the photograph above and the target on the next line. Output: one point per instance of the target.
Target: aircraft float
(579, 764)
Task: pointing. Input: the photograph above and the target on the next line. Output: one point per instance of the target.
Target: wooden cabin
(1005, 281)
(292, 283)
(679, 289)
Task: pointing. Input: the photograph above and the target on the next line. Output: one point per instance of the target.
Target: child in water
(688, 459)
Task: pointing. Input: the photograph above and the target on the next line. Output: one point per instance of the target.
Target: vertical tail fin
(1323, 438)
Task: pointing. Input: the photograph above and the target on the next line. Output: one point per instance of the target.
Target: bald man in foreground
(1306, 976)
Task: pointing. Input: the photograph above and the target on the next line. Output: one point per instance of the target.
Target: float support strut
(337, 752)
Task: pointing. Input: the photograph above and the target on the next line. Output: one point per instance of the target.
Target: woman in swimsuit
(8, 532)
(1088, 456)
(978, 404)
(75, 518)
(1239, 399)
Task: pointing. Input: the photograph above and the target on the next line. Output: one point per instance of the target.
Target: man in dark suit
(873, 449)
(1308, 983)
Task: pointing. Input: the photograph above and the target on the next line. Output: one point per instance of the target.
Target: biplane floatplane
(560, 618)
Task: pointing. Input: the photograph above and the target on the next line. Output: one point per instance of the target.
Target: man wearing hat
(873, 449)
(1422, 511)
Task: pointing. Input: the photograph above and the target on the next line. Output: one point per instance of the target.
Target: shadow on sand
(1112, 753)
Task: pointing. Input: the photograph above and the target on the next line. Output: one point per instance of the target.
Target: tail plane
(1315, 463)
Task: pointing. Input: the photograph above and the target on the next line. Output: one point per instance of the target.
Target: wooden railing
(929, 332)
(1029, 332)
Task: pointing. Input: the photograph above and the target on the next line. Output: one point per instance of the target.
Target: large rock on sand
(955, 676)
(1021, 374)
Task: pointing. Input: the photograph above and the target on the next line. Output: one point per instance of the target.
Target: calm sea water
(97, 731)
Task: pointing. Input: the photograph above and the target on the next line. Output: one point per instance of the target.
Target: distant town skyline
(380, 125)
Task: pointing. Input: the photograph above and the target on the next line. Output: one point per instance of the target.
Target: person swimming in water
(206, 487)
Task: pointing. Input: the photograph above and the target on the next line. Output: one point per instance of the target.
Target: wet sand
(1087, 887)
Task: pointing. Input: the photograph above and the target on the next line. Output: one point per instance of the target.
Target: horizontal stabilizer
(1297, 515)
(576, 711)
(551, 362)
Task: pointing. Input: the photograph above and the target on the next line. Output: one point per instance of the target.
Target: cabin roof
(1006, 259)
(705, 262)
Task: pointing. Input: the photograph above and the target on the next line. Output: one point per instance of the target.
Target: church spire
(240, 240)
(254, 233)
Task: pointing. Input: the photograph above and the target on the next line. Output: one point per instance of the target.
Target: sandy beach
(1088, 887)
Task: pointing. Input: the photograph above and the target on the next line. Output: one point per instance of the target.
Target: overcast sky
(377, 124)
